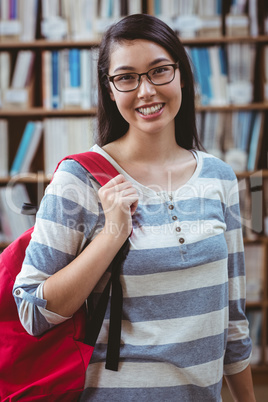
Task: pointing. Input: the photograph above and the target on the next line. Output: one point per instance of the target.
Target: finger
(115, 181)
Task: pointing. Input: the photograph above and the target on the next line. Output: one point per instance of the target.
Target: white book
(12, 199)
(134, 7)
(62, 138)
(94, 77)
(47, 79)
(5, 68)
(31, 151)
(75, 20)
(4, 10)
(23, 69)
(116, 13)
(48, 147)
(86, 70)
(217, 79)
(73, 136)
(28, 17)
(50, 8)
(4, 148)
(253, 17)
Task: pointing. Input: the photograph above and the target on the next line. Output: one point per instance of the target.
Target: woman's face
(149, 108)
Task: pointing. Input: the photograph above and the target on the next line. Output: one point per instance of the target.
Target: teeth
(150, 110)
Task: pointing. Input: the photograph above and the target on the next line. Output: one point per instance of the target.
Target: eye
(125, 77)
(161, 70)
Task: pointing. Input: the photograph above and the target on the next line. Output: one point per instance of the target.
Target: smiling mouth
(150, 110)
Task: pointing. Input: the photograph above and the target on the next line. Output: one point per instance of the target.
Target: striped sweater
(183, 282)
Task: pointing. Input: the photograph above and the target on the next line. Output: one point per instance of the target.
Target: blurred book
(4, 148)
(27, 148)
(13, 223)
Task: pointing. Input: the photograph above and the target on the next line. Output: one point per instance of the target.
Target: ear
(182, 83)
(111, 94)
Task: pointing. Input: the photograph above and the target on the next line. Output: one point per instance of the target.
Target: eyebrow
(151, 64)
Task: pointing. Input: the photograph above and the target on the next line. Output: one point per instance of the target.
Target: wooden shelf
(233, 107)
(59, 44)
(41, 112)
(224, 40)
(26, 178)
(45, 44)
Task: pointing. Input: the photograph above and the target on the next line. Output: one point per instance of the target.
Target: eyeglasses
(157, 76)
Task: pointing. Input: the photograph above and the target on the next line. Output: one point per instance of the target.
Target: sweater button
(17, 292)
(178, 229)
(174, 218)
(171, 206)
(181, 240)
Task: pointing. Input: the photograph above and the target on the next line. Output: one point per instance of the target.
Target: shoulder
(215, 168)
(71, 171)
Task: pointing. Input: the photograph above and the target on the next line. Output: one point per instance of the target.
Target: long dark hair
(143, 26)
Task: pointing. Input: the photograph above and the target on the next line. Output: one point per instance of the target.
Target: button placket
(178, 234)
(168, 198)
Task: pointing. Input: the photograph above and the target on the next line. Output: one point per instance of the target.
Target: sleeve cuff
(50, 316)
(234, 368)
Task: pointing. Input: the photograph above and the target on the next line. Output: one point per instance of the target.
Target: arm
(68, 216)
(67, 289)
(238, 348)
(241, 386)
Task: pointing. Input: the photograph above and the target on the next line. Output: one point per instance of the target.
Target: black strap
(114, 338)
(94, 323)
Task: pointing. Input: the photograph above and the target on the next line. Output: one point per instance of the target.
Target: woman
(183, 324)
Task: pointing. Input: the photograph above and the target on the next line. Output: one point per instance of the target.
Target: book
(65, 136)
(28, 10)
(218, 77)
(254, 272)
(55, 79)
(255, 141)
(4, 148)
(23, 148)
(12, 221)
(47, 79)
(32, 148)
(5, 73)
(23, 69)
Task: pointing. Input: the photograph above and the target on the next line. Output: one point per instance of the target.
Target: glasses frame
(112, 77)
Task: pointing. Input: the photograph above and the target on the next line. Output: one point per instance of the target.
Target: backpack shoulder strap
(103, 171)
(96, 164)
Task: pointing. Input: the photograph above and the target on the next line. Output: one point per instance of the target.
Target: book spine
(55, 79)
(23, 146)
(75, 68)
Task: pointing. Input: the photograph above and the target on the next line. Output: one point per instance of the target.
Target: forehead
(136, 53)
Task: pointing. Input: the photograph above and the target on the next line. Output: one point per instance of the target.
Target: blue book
(55, 80)
(223, 61)
(206, 74)
(199, 72)
(157, 7)
(23, 147)
(75, 67)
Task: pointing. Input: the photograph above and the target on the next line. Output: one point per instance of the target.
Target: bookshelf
(18, 115)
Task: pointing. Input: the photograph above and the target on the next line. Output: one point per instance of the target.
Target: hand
(119, 200)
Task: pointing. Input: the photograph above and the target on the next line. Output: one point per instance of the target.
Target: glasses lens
(126, 82)
(161, 75)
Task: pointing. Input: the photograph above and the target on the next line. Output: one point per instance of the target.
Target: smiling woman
(183, 279)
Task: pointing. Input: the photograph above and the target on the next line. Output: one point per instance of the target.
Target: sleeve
(66, 221)
(238, 349)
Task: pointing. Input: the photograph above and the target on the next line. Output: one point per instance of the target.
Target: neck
(149, 148)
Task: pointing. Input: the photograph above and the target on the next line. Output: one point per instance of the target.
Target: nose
(146, 88)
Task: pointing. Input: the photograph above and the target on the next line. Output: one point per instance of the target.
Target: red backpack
(52, 367)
